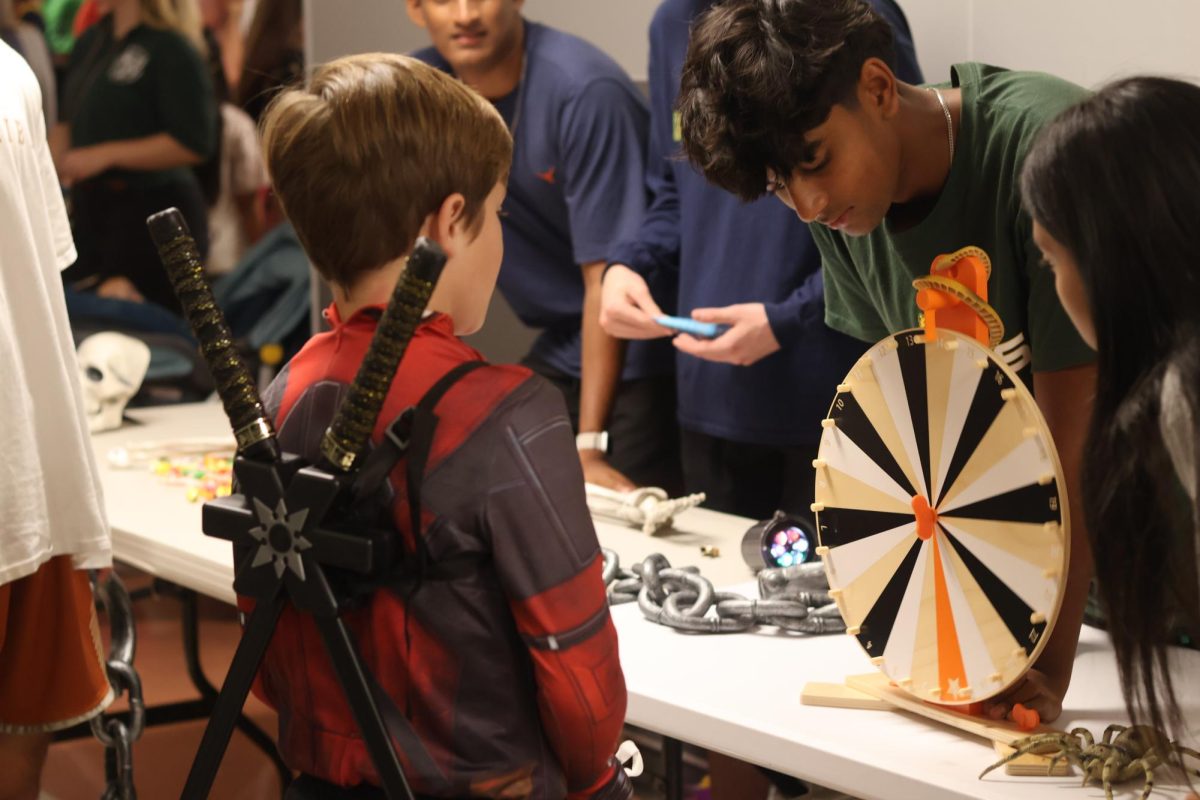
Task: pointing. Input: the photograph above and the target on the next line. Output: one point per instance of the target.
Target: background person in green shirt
(138, 113)
(1111, 186)
(795, 97)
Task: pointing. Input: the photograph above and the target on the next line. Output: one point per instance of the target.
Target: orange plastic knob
(926, 517)
(1026, 718)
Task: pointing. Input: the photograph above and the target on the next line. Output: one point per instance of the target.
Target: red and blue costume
(503, 680)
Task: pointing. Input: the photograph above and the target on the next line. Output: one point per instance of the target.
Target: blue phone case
(704, 330)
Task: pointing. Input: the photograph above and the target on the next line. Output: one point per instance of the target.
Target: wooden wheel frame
(942, 516)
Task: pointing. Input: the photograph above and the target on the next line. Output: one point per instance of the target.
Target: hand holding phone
(701, 330)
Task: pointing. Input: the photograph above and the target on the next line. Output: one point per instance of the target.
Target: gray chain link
(792, 598)
(116, 736)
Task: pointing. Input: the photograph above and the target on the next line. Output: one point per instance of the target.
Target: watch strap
(592, 440)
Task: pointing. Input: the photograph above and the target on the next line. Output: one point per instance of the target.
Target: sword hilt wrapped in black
(252, 428)
(347, 437)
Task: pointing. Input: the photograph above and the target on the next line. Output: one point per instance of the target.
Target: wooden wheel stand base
(874, 691)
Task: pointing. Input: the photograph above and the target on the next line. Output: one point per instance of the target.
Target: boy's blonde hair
(372, 147)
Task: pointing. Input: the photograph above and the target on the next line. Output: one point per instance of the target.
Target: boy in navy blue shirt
(750, 400)
(576, 188)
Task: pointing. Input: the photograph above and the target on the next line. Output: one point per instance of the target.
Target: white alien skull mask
(111, 369)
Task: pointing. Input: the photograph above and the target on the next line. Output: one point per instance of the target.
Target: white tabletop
(156, 529)
(740, 694)
(736, 693)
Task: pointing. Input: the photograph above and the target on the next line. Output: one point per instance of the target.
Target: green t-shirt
(59, 16)
(151, 81)
(868, 279)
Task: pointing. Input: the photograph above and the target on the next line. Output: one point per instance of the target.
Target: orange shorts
(51, 668)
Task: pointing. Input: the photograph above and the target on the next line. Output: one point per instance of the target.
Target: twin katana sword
(292, 522)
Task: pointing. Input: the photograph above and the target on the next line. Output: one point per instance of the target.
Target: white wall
(619, 27)
(1086, 41)
(1090, 41)
(941, 34)
(340, 27)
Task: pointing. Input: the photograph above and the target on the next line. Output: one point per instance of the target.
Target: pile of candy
(203, 465)
(204, 477)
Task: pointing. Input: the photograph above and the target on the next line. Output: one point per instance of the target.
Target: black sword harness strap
(410, 437)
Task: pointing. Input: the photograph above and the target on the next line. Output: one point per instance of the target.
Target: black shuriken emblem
(279, 539)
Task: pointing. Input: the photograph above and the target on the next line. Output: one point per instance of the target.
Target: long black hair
(274, 57)
(1116, 181)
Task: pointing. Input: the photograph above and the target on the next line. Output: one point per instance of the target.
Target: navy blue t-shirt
(576, 189)
(719, 251)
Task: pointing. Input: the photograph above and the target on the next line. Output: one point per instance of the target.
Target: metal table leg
(673, 768)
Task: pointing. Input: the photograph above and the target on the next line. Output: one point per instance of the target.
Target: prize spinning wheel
(941, 512)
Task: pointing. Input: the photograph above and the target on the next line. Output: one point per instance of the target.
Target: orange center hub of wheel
(926, 517)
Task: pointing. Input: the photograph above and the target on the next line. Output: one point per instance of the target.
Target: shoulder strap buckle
(399, 433)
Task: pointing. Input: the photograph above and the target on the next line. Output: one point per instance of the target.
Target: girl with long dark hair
(1112, 186)
(274, 54)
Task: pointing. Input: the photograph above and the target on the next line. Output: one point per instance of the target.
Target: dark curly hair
(759, 74)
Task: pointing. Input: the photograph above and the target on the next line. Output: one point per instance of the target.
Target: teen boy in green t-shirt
(868, 278)
(795, 97)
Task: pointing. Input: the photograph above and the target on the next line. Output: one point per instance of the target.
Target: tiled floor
(75, 770)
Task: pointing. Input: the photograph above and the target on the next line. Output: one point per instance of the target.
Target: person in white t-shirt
(52, 522)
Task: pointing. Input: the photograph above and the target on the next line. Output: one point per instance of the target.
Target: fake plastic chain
(114, 733)
(792, 598)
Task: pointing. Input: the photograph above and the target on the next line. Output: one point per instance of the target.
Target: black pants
(642, 430)
(755, 481)
(108, 219)
(306, 787)
(751, 480)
